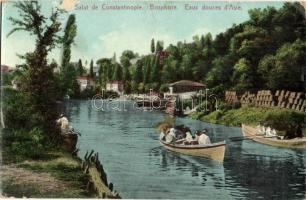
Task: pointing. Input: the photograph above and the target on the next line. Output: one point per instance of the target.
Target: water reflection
(265, 172)
(195, 167)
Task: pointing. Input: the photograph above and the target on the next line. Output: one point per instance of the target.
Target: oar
(237, 139)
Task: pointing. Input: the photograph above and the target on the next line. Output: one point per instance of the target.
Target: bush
(141, 87)
(284, 120)
(22, 144)
(16, 110)
(87, 93)
(280, 119)
(164, 88)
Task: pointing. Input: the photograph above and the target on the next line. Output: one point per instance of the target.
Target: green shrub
(24, 144)
(284, 120)
(280, 119)
(17, 112)
(164, 88)
(87, 93)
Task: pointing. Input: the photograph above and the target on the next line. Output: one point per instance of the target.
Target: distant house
(116, 86)
(185, 89)
(85, 82)
(5, 69)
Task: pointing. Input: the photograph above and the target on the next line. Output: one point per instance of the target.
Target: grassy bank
(31, 168)
(57, 174)
(276, 117)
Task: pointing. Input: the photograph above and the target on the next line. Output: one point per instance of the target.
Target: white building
(185, 89)
(85, 82)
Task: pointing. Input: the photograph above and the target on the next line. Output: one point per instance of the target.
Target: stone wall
(266, 98)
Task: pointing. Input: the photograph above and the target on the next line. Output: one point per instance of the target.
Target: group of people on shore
(183, 135)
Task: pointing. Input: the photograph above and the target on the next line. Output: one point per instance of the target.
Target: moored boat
(214, 151)
(253, 133)
(153, 104)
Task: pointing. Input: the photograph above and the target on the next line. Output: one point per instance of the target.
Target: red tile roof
(5, 68)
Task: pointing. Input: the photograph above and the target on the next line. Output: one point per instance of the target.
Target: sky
(101, 33)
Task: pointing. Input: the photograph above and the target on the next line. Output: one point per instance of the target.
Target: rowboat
(213, 151)
(253, 133)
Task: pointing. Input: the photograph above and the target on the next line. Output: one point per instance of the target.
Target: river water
(140, 168)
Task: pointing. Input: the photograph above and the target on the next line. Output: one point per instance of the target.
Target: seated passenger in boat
(170, 137)
(270, 132)
(189, 137)
(162, 136)
(202, 138)
(180, 131)
(261, 130)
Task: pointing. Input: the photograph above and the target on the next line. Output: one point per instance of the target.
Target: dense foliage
(39, 84)
(265, 52)
(280, 119)
(30, 112)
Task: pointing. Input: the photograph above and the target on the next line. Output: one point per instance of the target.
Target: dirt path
(59, 176)
(43, 181)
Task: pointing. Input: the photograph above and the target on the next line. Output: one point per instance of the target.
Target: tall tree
(68, 39)
(125, 62)
(104, 65)
(39, 80)
(81, 70)
(156, 69)
(138, 73)
(117, 73)
(147, 70)
(159, 46)
(68, 73)
(152, 46)
(91, 70)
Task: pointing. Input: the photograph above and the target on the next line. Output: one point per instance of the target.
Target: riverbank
(38, 162)
(57, 174)
(50, 173)
(279, 118)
